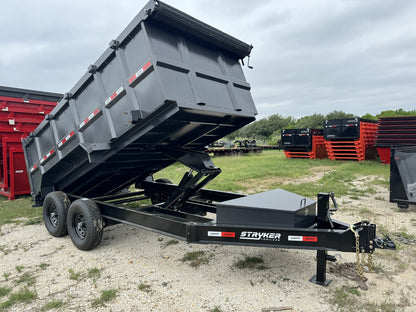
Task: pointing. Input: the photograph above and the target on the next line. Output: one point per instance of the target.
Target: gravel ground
(140, 270)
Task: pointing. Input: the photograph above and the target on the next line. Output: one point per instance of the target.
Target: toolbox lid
(277, 200)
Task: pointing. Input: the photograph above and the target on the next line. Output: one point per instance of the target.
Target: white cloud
(308, 57)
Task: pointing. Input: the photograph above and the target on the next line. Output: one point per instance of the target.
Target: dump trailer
(238, 147)
(164, 89)
(350, 139)
(21, 111)
(403, 176)
(394, 132)
(303, 143)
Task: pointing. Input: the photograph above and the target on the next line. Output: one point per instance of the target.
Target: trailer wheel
(85, 224)
(55, 210)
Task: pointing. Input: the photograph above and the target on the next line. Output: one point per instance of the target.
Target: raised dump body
(168, 81)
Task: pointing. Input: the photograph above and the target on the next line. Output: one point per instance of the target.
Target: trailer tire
(55, 210)
(85, 224)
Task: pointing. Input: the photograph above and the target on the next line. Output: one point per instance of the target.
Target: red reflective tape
(113, 95)
(227, 234)
(310, 239)
(132, 78)
(146, 66)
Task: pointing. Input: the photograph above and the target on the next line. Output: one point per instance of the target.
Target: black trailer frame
(180, 211)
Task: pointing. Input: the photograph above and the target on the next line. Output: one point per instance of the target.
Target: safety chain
(360, 258)
(370, 262)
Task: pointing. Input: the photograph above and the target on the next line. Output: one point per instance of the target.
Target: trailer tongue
(165, 88)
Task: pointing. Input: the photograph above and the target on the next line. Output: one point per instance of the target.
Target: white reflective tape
(295, 238)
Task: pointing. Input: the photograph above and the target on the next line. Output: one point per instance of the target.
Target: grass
(106, 295)
(22, 296)
(34, 220)
(271, 169)
(250, 263)
(4, 291)
(170, 243)
(43, 265)
(53, 305)
(195, 258)
(404, 233)
(251, 173)
(13, 211)
(76, 276)
(27, 278)
(94, 273)
(345, 298)
(145, 287)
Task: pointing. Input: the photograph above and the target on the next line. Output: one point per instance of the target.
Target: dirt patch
(315, 174)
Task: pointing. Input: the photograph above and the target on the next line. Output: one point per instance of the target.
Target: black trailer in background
(403, 176)
(165, 88)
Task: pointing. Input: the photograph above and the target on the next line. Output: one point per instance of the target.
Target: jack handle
(334, 202)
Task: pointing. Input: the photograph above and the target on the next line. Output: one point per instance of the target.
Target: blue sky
(308, 57)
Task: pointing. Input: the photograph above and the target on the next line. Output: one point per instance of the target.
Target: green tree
(339, 115)
(369, 117)
(315, 121)
(397, 113)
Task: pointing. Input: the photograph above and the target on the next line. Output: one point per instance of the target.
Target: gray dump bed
(167, 82)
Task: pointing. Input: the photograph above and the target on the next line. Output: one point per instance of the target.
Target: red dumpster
(21, 111)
